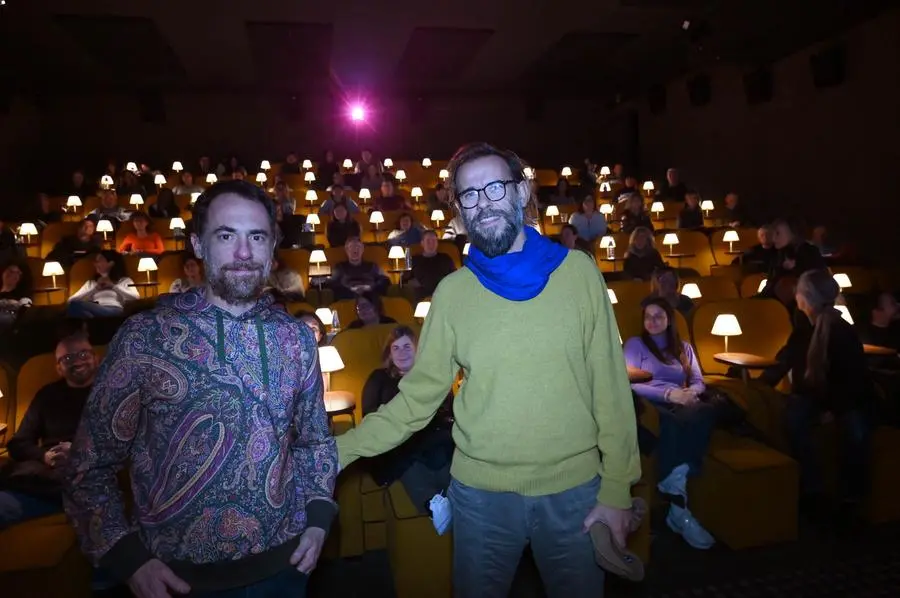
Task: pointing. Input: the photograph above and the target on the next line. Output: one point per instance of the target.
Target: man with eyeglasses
(30, 486)
(545, 432)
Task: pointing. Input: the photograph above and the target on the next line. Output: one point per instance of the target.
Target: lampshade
(426, 162)
(264, 165)
(313, 219)
(364, 193)
(606, 208)
(670, 239)
(691, 290)
(317, 256)
(104, 226)
(444, 174)
(762, 285)
(388, 163)
(176, 224)
(136, 199)
(307, 164)
(261, 177)
(401, 175)
(843, 280)
(528, 171)
(28, 228)
(845, 313)
(176, 166)
(648, 186)
(466, 249)
(422, 308)
(147, 264)
(309, 177)
(326, 315)
(311, 196)
(397, 253)
(211, 178)
(607, 242)
(52, 269)
(612, 296)
(416, 192)
(566, 171)
(605, 187)
(74, 201)
(376, 217)
(106, 180)
(330, 360)
(194, 197)
(707, 204)
(348, 163)
(131, 166)
(657, 206)
(159, 179)
(552, 211)
(731, 236)
(604, 171)
(437, 215)
(726, 325)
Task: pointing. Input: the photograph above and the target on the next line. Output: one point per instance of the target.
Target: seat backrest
(724, 251)
(713, 288)
(765, 328)
(691, 242)
(53, 234)
(446, 247)
(170, 270)
(7, 400)
(630, 318)
(862, 280)
(630, 292)
(298, 261)
(81, 271)
(750, 284)
(399, 308)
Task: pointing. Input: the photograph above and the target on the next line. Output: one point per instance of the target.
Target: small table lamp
(437, 216)
(707, 206)
(388, 163)
(261, 177)
(376, 218)
(648, 187)
(612, 296)
(553, 212)
(604, 171)
(605, 187)
(843, 281)
(397, 253)
(28, 229)
(317, 257)
(194, 197)
(416, 193)
(313, 220)
(176, 166)
(726, 325)
(426, 162)
(176, 224)
(528, 171)
(131, 166)
(566, 172)
(671, 239)
(657, 208)
(326, 315)
(609, 244)
(159, 180)
(845, 313)
(365, 195)
(106, 181)
(312, 197)
(330, 361)
(762, 285)
(148, 265)
(444, 174)
(309, 177)
(307, 164)
(348, 163)
(401, 175)
(606, 208)
(104, 226)
(264, 165)
(73, 202)
(211, 178)
(690, 289)
(730, 237)
(52, 269)
(422, 309)
(136, 200)
(466, 248)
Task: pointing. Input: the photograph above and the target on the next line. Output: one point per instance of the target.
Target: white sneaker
(675, 483)
(682, 522)
(440, 513)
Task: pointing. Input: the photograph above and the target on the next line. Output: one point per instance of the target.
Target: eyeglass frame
(69, 358)
(483, 191)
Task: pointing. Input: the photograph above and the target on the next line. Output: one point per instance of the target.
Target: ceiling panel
(440, 54)
(290, 54)
(578, 56)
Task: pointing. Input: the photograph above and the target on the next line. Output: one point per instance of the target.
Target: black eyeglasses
(70, 358)
(494, 191)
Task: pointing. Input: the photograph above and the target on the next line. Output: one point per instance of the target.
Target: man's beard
(498, 239)
(237, 290)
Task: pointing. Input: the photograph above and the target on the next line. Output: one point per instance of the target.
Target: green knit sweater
(545, 404)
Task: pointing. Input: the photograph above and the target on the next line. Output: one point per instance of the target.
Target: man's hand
(57, 454)
(155, 580)
(618, 520)
(789, 264)
(308, 550)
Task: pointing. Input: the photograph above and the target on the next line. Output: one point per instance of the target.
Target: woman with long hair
(106, 294)
(642, 257)
(15, 291)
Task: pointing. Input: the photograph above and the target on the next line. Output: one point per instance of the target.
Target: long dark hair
(674, 350)
(117, 272)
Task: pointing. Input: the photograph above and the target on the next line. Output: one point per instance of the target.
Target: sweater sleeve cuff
(614, 494)
(320, 513)
(126, 557)
(345, 456)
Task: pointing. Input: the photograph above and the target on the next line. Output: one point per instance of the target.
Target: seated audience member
(822, 241)
(686, 420)
(735, 215)
(617, 175)
(390, 200)
(830, 381)
(15, 292)
(165, 206)
(45, 213)
(193, 274)
(338, 196)
(455, 228)
(31, 484)
(794, 257)
(239, 174)
(327, 168)
(129, 184)
(421, 463)
(561, 196)
(85, 241)
(285, 198)
(630, 187)
(664, 284)
(143, 240)
(369, 311)
(315, 324)
(366, 163)
(589, 223)
(204, 166)
(672, 188)
(883, 330)
(429, 267)
(371, 179)
(642, 258)
(285, 282)
(79, 186)
(407, 233)
(291, 164)
(187, 186)
(341, 227)
(569, 238)
(109, 209)
(760, 257)
(106, 294)
(290, 226)
(884, 327)
(355, 275)
(8, 247)
(635, 215)
(691, 216)
(337, 178)
(440, 199)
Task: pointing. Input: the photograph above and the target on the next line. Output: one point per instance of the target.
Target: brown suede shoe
(613, 558)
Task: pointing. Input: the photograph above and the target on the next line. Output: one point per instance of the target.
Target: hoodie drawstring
(220, 339)
(263, 354)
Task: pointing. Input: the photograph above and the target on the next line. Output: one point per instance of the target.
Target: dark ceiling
(546, 47)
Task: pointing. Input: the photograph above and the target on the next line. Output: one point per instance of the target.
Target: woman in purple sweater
(686, 422)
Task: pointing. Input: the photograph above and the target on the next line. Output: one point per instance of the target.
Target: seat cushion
(37, 543)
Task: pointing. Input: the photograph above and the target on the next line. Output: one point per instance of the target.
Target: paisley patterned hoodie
(221, 423)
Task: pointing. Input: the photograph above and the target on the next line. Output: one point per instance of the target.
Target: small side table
(339, 402)
(746, 362)
(49, 291)
(143, 286)
(877, 351)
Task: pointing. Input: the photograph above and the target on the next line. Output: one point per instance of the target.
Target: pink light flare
(357, 113)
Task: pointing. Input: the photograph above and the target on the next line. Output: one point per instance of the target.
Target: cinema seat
(630, 292)
(713, 288)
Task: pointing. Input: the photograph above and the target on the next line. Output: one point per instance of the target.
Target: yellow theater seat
(630, 292)
(81, 271)
(54, 232)
(398, 308)
(713, 288)
(689, 242)
(7, 402)
(298, 261)
(749, 285)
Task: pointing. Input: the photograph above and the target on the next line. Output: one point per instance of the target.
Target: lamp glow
(466, 248)
(612, 296)
(422, 309)
(388, 163)
(329, 361)
(691, 290)
(426, 162)
(648, 186)
(326, 315)
(148, 265)
(261, 177)
(136, 200)
(726, 325)
(211, 178)
(176, 166)
(657, 208)
(307, 164)
(843, 280)
(73, 201)
(397, 253)
(357, 114)
(604, 171)
(177, 224)
(566, 172)
(444, 174)
(309, 177)
(317, 257)
(159, 179)
(104, 226)
(730, 237)
(311, 196)
(671, 239)
(313, 220)
(605, 187)
(762, 285)
(528, 171)
(606, 209)
(52, 269)
(348, 163)
(401, 175)
(194, 197)
(553, 212)
(131, 166)
(28, 229)
(707, 206)
(365, 194)
(609, 244)
(845, 313)
(106, 181)
(437, 216)
(416, 193)
(264, 165)
(376, 218)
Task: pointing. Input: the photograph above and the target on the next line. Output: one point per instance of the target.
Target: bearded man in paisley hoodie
(213, 401)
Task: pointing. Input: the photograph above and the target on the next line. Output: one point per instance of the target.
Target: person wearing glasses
(31, 485)
(518, 478)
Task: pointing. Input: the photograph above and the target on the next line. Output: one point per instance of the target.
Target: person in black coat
(642, 258)
(794, 257)
(691, 216)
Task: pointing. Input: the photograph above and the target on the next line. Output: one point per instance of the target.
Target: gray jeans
(491, 529)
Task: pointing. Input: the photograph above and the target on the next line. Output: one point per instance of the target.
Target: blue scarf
(520, 275)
